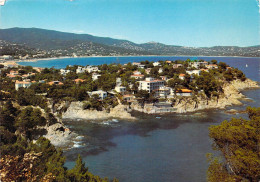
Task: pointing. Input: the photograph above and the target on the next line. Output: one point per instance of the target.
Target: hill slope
(50, 40)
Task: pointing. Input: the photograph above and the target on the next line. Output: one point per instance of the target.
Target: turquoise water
(169, 148)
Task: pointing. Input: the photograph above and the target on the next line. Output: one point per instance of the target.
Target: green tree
(29, 118)
(238, 141)
(79, 172)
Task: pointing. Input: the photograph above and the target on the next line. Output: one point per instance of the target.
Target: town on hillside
(105, 86)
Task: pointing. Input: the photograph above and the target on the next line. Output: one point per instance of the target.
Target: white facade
(6, 57)
(177, 66)
(164, 92)
(118, 81)
(156, 64)
(102, 94)
(150, 84)
(64, 72)
(141, 66)
(137, 76)
(19, 84)
(120, 89)
(80, 70)
(95, 76)
(91, 69)
(195, 72)
(183, 94)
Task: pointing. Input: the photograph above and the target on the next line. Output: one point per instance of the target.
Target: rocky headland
(231, 96)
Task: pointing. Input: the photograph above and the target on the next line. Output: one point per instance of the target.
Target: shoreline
(230, 97)
(67, 57)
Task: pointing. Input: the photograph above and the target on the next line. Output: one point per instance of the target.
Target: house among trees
(163, 92)
(156, 64)
(95, 76)
(195, 72)
(91, 69)
(80, 70)
(55, 83)
(128, 98)
(184, 92)
(24, 84)
(212, 66)
(181, 76)
(177, 66)
(137, 77)
(150, 84)
(64, 72)
(77, 81)
(101, 94)
(120, 89)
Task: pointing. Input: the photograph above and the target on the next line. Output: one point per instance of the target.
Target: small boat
(246, 65)
(158, 117)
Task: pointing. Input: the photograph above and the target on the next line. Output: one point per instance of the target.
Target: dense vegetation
(210, 83)
(238, 140)
(25, 160)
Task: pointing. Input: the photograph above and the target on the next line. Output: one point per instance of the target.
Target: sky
(194, 23)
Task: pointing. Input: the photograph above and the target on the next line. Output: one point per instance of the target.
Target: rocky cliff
(231, 96)
(76, 111)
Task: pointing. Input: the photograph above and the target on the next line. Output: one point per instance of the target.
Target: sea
(166, 147)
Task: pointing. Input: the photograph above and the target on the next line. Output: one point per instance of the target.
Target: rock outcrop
(76, 111)
(59, 135)
(231, 96)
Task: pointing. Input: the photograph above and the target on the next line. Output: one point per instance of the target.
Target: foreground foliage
(25, 160)
(238, 140)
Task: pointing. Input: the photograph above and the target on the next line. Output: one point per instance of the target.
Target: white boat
(246, 65)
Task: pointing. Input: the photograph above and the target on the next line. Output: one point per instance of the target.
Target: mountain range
(61, 43)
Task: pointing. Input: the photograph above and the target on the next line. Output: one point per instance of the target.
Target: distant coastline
(66, 57)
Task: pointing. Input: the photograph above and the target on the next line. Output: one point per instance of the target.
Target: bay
(170, 147)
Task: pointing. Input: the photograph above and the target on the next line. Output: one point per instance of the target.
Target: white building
(118, 81)
(95, 76)
(150, 84)
(195, 72)
(212, 66)
(64, 72)
(141, 66)
(137, 76)
(80, 70)
(177, 66)
(6, 57)
(194, 64)
(91, 69)
(163, 92)
(137, 73)
(120, 89)
(24, 84)
(102, 94)
(136, 63)
(156, 64)
(198, 64)
(160, 70)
